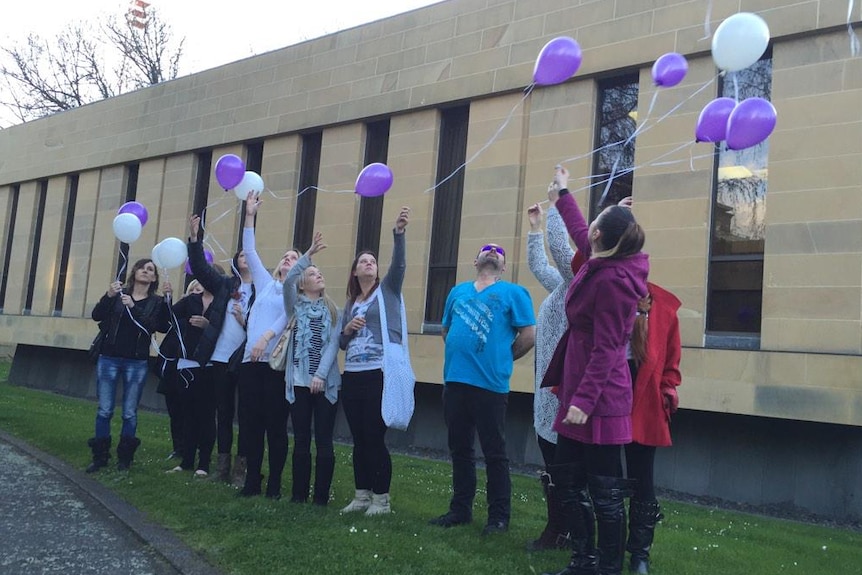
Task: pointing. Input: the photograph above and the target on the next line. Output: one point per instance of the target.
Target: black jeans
(265, 414)
(306, 408)
(361, 396)
(469, 410)
(198, 408)
(548, 450)
(224, 384)
(640, 462)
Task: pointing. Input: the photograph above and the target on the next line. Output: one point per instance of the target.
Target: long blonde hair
(330, 304)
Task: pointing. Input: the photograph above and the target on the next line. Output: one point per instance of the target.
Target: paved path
(55, 519)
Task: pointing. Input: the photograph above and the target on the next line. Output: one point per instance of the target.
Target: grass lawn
(258, 536)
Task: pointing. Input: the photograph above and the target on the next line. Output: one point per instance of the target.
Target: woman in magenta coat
(655, 371)
(590, 369)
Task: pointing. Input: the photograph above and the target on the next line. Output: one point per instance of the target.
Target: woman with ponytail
(591, 373)
(654, 366)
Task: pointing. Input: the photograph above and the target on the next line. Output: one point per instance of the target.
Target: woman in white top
(261, 389)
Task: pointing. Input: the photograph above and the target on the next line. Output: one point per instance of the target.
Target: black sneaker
(495, 527)
(449, 519)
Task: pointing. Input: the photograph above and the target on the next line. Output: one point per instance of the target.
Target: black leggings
(548, 450)
(605, 460)
(361, 397)
(640, 461)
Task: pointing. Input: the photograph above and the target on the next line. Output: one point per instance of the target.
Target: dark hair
(354, 290)
(234, 264)
(621, 235)
(130, 281)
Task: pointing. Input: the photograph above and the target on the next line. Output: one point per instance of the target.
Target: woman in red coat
(655, 372)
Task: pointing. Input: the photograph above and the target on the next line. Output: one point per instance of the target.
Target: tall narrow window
(309, 171)
(15, 191)
(615, 125)
(124, 265)
(446, 220)
(68, 225)
(202, 182)
(735, 285)
(371, 209)
(253, 163)
(37, 241)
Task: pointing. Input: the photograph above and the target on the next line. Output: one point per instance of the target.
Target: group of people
(607, 366)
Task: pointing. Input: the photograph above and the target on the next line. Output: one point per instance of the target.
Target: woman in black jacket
(128, 314)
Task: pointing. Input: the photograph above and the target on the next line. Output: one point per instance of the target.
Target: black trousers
(198, 407)
(468, 411)
(265, 412)
(224, 385)
(361, 396)
(604, 460)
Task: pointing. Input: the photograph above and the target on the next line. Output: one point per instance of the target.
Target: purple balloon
(208, 255)
(374, 180)
(712, 122)
(669, 70)
(750, 123)
(135, 208)
(557, 62)
(229, 171)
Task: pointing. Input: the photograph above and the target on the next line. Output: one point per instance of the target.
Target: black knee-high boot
(126, 452)
(570, 483)
(609, 495)
(555, 535)
(643, 517)
(101, 448)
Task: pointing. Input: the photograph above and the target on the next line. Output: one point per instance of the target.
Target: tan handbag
(278, 357)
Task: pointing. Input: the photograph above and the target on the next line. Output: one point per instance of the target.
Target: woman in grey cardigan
(362, 390)
(311, 374)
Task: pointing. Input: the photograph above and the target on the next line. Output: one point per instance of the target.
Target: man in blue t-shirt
(487, 324)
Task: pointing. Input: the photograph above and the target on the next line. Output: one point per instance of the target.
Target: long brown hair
(354, 290)
(621, 235)
(130, 280)
(640, 330)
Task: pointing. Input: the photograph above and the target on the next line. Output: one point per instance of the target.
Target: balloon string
(610, 181)
(707, 29)
(122, 267)
(854, 39)
(645, 128)
(735, 87)
(487, 144)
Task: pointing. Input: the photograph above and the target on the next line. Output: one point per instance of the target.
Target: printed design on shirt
(363, 348)
(478, 316)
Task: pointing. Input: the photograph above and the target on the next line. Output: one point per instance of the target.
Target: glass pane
(617, 122)
(440, 281)
(739, 217)
(735, 302)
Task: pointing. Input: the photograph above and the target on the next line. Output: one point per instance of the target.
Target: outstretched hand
(561, 178)
(402, 220)
(317, 244)
(252, 203)
(535, 215)
(194, 228)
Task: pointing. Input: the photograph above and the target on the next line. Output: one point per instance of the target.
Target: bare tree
(85, 64)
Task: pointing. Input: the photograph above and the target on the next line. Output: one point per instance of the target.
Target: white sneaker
(379, 505)
(361, 501)
(176, 469)
(201, 474)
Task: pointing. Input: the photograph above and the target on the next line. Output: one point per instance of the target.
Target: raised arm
(259, 274)
(570, 212)
(394, 278)
(558, 243)
(203, 272)
(537, 259)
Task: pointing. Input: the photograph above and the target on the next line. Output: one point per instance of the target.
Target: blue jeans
(109, 371)
(470, 411)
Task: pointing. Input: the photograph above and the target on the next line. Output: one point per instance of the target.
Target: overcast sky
(216, 31)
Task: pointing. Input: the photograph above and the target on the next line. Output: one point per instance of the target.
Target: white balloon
(739, 41)
(156, 257)
(173, 252)
(127, 227)
(251, 182)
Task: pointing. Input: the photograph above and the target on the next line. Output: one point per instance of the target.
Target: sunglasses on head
(490, 247)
